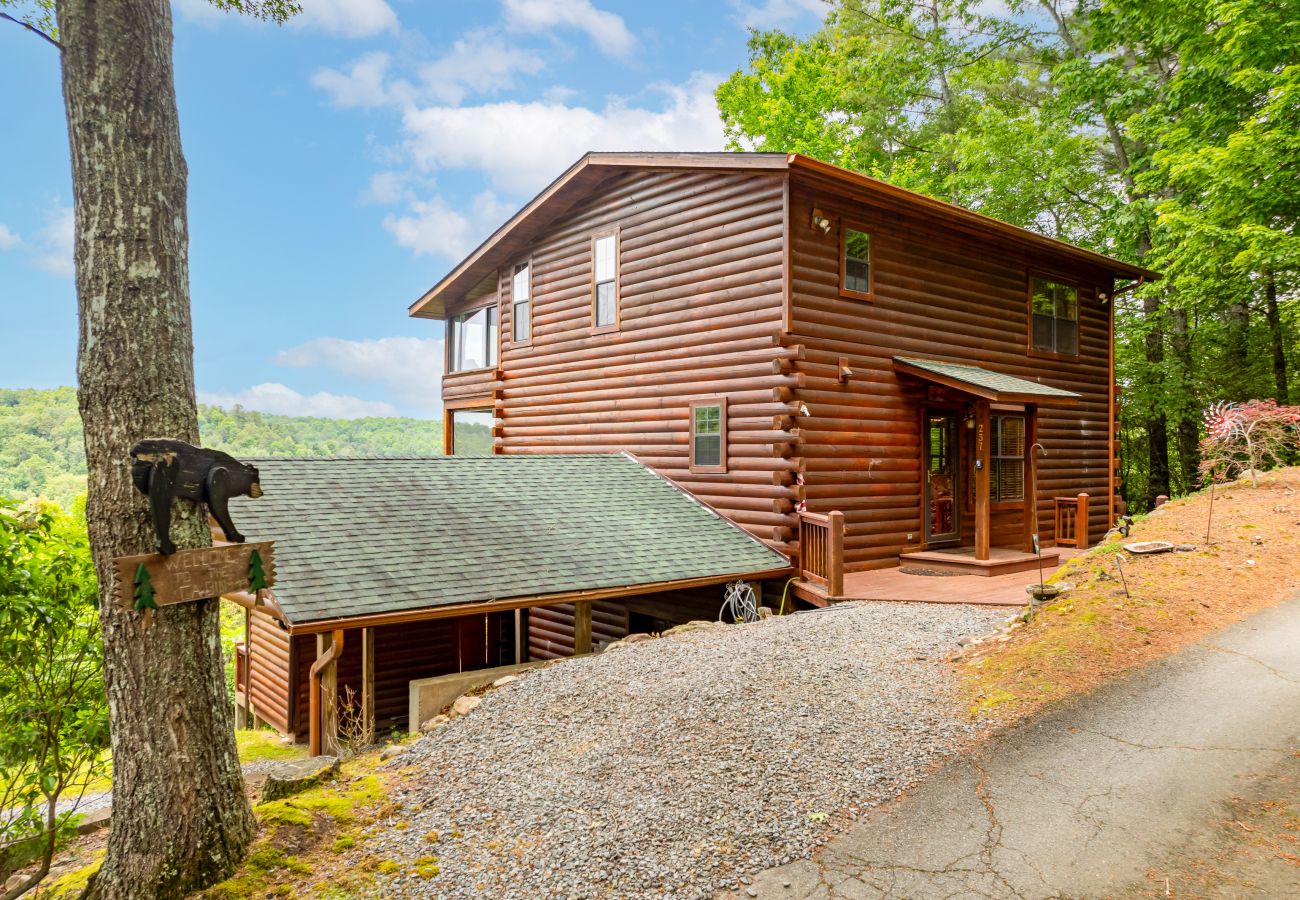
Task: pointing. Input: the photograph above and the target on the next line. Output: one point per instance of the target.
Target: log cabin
(859, 375)
(394, 571)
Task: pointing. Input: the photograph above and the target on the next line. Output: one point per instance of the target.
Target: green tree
(176, 772)
(53, 710)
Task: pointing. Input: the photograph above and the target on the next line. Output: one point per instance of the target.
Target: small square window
(709, 435)
(855, 263)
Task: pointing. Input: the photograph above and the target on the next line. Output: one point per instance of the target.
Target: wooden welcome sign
(163, 470)
(152, 580)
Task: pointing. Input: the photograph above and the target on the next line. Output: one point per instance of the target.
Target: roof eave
(1061, 398)
(976, 220)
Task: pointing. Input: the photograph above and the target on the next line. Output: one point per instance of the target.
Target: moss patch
(72, 884)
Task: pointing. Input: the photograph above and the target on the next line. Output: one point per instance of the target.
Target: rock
(436, 722)
(464, 704)
(696, 625)
(504, 680)
(765, 612)
(95, 820)
(295, 776)
(392, 750)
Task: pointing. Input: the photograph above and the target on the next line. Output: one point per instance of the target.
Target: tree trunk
(1277, 338)
(180, 817)
(1187, 429)
(1157, 425)
(1238, 350)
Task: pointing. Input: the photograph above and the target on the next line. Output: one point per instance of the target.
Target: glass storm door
(942, 517)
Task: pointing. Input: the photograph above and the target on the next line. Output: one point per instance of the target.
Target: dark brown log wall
(939, 296)
(701, 285)
(550, 628)
(268, 663)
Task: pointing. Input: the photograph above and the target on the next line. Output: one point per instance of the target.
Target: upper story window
(1054, 311)
(604, 299)
(855, 263)
(1007, 479)
(709, 435)
(473, 337)
(521, 289)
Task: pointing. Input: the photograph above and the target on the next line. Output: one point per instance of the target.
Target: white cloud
(607, 30)
(363, 84)
(8, 239)
(520, 147)
(434, 228)
(271, 397)
(341, 18)
(409, 368)
(481, 62)
(773, 13)
(386, 188)
(54, 254)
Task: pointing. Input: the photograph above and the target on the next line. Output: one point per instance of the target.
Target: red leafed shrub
(1248, 437)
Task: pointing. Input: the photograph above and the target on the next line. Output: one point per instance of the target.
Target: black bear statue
(164, 469)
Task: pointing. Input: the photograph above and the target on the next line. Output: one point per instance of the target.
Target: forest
(41, 450)
(1162, 132)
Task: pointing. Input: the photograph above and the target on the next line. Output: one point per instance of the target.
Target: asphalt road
(1106, 796)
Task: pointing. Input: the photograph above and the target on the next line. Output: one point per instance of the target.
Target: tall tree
(180, 817)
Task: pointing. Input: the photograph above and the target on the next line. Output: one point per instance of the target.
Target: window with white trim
(473, 337)
(521, 290)
(604, 251)
(709, 435)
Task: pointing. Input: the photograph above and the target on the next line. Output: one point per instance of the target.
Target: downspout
(313, 692)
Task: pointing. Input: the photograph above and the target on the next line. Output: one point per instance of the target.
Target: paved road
(1090, 799)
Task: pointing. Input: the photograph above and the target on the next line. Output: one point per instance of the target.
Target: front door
(942, 498)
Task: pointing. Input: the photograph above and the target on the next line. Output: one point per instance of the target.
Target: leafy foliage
(1164, 132)
(53, 710)
(1248, 437)
(41, 451)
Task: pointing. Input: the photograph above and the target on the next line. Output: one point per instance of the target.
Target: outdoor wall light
(819, 220)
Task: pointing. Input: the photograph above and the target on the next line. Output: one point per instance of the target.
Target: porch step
(1001, 561)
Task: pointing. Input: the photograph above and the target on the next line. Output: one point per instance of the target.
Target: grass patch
(264, 744)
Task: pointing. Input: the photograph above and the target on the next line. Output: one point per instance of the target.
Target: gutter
(333, 653)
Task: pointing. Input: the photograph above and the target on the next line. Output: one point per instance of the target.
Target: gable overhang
(983, 383)
(579, 181)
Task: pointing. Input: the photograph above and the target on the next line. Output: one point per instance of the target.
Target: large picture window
(855, 263)
(709, 435)
(473, 337)
(1054, 310)
(604, 264)
(521, 291)
(1007, 481)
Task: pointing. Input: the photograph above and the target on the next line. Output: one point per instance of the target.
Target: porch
(903, 585)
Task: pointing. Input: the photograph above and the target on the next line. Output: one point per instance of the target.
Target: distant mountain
(41, 452)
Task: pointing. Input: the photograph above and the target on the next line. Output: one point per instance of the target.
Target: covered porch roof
(985, 383)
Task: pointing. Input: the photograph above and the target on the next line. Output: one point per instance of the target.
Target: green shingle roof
(986, 382)
(359, 537)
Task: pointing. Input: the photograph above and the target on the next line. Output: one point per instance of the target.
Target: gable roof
(367, 537)
(513, 237)
(986, 383)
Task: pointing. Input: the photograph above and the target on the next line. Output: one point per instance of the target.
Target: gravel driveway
(681, 766)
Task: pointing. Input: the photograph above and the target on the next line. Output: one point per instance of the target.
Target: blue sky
(343, 163)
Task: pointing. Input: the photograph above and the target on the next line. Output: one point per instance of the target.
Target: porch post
(368, 680)
(983, 440)
(1031, 477)
(581, 628)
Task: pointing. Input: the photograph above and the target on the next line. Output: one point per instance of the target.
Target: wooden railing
(1072, 521)
(821, 550)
